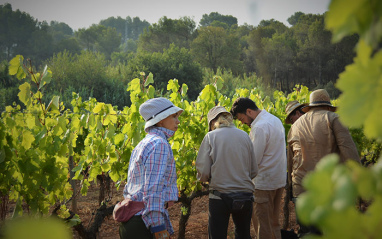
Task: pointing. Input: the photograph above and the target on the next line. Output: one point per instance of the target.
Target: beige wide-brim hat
(290, 107)
(319, 98)
(157, 109)
(214, 112)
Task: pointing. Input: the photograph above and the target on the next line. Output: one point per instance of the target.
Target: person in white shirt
(268, 137)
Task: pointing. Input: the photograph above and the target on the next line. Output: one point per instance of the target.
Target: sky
(83, 13)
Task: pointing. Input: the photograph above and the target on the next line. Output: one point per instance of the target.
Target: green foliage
(214, 18)
(161, 35)
(332, 192)
(215, 47)
(333, 189)
(361, 100)
(173, 63)
(129, 28)
(36, 229)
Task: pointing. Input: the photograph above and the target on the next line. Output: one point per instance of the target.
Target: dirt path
(196, 227)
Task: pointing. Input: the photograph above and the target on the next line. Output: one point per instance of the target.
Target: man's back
(313, 136)
(268, 135)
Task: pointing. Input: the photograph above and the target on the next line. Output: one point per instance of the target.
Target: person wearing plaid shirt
(152, 173)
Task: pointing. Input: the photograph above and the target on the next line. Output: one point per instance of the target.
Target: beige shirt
(268, 137)
(227, 161)
(314, 135)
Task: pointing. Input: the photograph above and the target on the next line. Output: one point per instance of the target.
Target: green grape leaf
(119, 138)
(46, 77)
(25, 93)
(98, 108)
(151, 91)
(219, 82)
(30, 121)
(54, 104)
(105, 167)
(28, 139)
(173, 85)
(85, 187)
(34, 228)
(361, 100)
(340, 19)
(149, 79)
(16, 67)
(364, 180)
(184, 90)
(134, 85)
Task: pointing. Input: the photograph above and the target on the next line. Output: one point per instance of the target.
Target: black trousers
(218, 219)
(135, 228)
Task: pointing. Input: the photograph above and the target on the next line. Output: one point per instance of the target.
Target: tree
(129, 28)
(214, 47)
(60, 31)
(261, 44)
(292, 20)
(161, 35)
(214, 17)
(88, 37)
(173, 63)
(16, 28)
(108, 41)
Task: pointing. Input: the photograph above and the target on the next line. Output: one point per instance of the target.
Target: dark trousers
(135, 228)
(218, 219)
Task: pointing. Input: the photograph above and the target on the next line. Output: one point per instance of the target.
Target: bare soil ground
(196, 226)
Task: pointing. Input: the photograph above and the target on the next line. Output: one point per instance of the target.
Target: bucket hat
(290, 107)
(319, 98)
(157, 109)
(214, 112)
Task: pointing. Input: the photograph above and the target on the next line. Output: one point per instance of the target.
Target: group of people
(246, 174)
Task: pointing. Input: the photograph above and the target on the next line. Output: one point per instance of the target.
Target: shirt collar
(163, 132)
(262, 112)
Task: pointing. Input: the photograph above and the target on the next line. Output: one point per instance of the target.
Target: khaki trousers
(266, 211)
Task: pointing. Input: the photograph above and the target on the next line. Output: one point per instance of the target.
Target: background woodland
(101, 60)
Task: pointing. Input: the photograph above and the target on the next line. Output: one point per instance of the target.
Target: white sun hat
(157, 109)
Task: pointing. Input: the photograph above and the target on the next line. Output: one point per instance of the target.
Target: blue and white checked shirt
(151, 177)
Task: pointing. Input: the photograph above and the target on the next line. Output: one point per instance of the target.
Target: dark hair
(299, 109)
(241, 105)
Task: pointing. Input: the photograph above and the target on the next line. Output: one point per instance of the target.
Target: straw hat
(290, 107)
(319, 98)
(213, 113)
(157, 109)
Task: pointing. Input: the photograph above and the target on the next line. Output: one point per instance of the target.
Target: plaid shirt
(152, 177)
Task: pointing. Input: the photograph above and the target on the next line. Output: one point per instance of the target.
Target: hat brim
(162, 116)
(302, 106)
(307, 108)
(220, 112)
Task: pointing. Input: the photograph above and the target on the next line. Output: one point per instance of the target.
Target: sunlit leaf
(16, 67)
(25, 93)
(149, 79)
(361, 100)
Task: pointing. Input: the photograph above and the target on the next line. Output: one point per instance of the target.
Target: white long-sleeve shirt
(268, 138)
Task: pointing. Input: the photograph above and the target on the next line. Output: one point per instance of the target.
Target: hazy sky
(84, 13)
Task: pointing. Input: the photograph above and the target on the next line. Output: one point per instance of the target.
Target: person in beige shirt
(314, 135)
